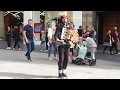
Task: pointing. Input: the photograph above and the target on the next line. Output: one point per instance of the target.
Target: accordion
(69, 34)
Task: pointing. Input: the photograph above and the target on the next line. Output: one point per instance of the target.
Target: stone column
(87, 18)
(2, 27)
(36, 19)
(77, 18)
(26, 16)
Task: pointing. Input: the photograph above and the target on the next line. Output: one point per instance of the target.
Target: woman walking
(16, 36)
(51, 40)
(108, 41)
(8, 38)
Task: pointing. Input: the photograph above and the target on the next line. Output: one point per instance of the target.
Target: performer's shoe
(60, 75)
(64, 75)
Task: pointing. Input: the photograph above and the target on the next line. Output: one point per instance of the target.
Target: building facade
(102, 21)
(15, 17)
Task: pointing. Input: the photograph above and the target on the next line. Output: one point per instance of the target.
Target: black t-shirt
(29, 31)
(16, 34)
(59, 31)
(80, 32)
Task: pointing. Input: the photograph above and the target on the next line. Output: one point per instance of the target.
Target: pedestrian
(115, 40)
(29, 34)
(16, 37)
(94, 34)
(43, 41)
(84, 35)
(80, 30)
(108, 41)
(72, 43)
(63, 48)
(88, 34)
(46, 39)
(8, 38)
(51, 40)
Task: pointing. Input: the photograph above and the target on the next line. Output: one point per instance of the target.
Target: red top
(84, 36)
(115, 35)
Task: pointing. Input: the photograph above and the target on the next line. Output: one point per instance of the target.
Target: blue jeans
(50, 48)
(30, 48)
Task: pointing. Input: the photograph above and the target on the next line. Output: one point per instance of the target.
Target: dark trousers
(63, 57)
(114, 45)
(16, 44)
(8, 42)
(106, 48)
(46, 43)
(30, 48)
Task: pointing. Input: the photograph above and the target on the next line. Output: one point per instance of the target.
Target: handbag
(82, 52)
(118, 46)
(107, 44)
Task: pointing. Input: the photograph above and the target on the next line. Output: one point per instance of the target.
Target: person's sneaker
(64, 75)
(111, 53)
(13, 48)
(49, 58)
(118, 54)
(46, 50)
(60, 75)
(29, 60)
(55, 58)
(41, 50)
(7, 48)
(19, 49)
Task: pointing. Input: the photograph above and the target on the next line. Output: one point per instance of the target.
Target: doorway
(13, 18)
(107, 21)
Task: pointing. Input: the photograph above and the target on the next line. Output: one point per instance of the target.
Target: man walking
(29, 34)
(115, 40)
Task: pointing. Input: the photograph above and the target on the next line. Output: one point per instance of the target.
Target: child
(43, 41)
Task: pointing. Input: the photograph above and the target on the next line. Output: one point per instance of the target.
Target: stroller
(82, 48)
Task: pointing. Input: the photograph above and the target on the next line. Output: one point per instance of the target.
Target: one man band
(63, 49)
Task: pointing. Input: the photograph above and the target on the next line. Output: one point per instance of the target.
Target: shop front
(40, 19)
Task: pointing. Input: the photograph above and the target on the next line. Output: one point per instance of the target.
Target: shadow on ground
(24, 76)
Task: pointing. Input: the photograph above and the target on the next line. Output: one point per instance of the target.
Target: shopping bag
(82, 52)
(118, 46)
(75, 52)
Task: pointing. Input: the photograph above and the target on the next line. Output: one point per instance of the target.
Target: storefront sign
(37, 27)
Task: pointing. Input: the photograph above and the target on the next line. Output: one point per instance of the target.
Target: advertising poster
(38, 27)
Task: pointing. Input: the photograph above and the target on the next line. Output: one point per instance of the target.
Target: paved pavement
(13, 65)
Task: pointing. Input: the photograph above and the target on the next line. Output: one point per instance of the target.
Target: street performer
(63, 47)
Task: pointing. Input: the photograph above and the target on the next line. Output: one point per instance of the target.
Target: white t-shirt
(50, 32)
